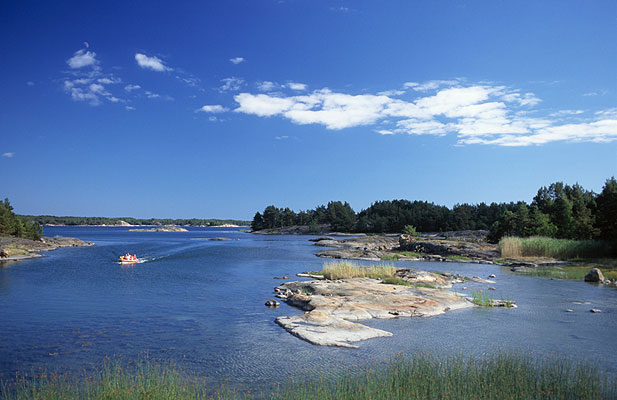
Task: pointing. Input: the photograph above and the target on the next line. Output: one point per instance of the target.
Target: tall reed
(565, 249)
(420, 376)
(345, 269)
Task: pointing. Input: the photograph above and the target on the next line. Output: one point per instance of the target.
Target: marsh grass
(420, 376)
(503, 376)
(345, 269)
(113, 380)
(563, 249)
(390, 257)
(481, 298)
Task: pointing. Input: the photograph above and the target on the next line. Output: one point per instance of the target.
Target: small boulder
(594, 275)
(595, 310)
(272, 303)
(4, 253)
(569, 310)
(491, 288)
(492, 276)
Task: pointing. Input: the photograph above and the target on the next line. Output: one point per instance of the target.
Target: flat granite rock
(322, 329)
(332, 306)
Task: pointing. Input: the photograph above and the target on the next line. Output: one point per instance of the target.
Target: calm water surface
(199, 304)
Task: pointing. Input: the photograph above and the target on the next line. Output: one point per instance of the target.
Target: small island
(345, 293)
(164, 228)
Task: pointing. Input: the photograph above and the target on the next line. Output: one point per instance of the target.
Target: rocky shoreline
(333, 307)
(16, 249)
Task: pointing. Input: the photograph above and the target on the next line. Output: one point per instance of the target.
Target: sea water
(199, 305)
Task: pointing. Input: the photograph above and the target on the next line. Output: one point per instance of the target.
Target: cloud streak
(476, 113)
(153, 63)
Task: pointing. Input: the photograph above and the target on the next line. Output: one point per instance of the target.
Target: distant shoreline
(19, 249)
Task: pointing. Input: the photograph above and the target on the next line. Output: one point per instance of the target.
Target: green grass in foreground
(562, 249)
(421, 376)
(576, 272)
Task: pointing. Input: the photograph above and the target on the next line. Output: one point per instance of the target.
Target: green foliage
(562, 249)
(458, 258)
(12, 224)
(410, 231)
(258, 222)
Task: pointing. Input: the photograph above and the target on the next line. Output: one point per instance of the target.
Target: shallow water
(199, 304)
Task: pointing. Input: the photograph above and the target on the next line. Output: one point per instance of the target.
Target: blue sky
(218, 109)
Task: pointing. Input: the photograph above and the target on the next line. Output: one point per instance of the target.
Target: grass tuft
(345, 269)
(481, 298)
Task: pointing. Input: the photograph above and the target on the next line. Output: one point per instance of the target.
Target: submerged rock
(272, 303)
(594, 275)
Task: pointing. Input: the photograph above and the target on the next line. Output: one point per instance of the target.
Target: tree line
(14, 225)
(559, 210)
(54, 220)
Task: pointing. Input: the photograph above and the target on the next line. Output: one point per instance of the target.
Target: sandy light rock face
(332, 306)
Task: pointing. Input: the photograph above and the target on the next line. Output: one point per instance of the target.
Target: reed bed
(501, 377)
(563, 249)
(345, 269)
(420, 376)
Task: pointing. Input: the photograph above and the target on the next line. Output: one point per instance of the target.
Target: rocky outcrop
(594, 275)
(334, 307)
(19, 249)
(468, 244)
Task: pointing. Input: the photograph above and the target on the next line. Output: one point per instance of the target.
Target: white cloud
(267, 86)
(281, 137)
(391, 93)
(296, 86)
(154, 63)
(129, 108)
(562, 113)
(152, 95)
(430, 85)
(130, 88)
(231, 84)
(237, 60)
(8, 155)
(109, 81)
(476, 114)
(213, 109)
(30, 83)
(609, 113)
(82, 58)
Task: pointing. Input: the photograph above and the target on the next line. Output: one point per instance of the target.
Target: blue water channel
(200, 305)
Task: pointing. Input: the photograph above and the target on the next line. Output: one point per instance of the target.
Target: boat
(128, 259)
